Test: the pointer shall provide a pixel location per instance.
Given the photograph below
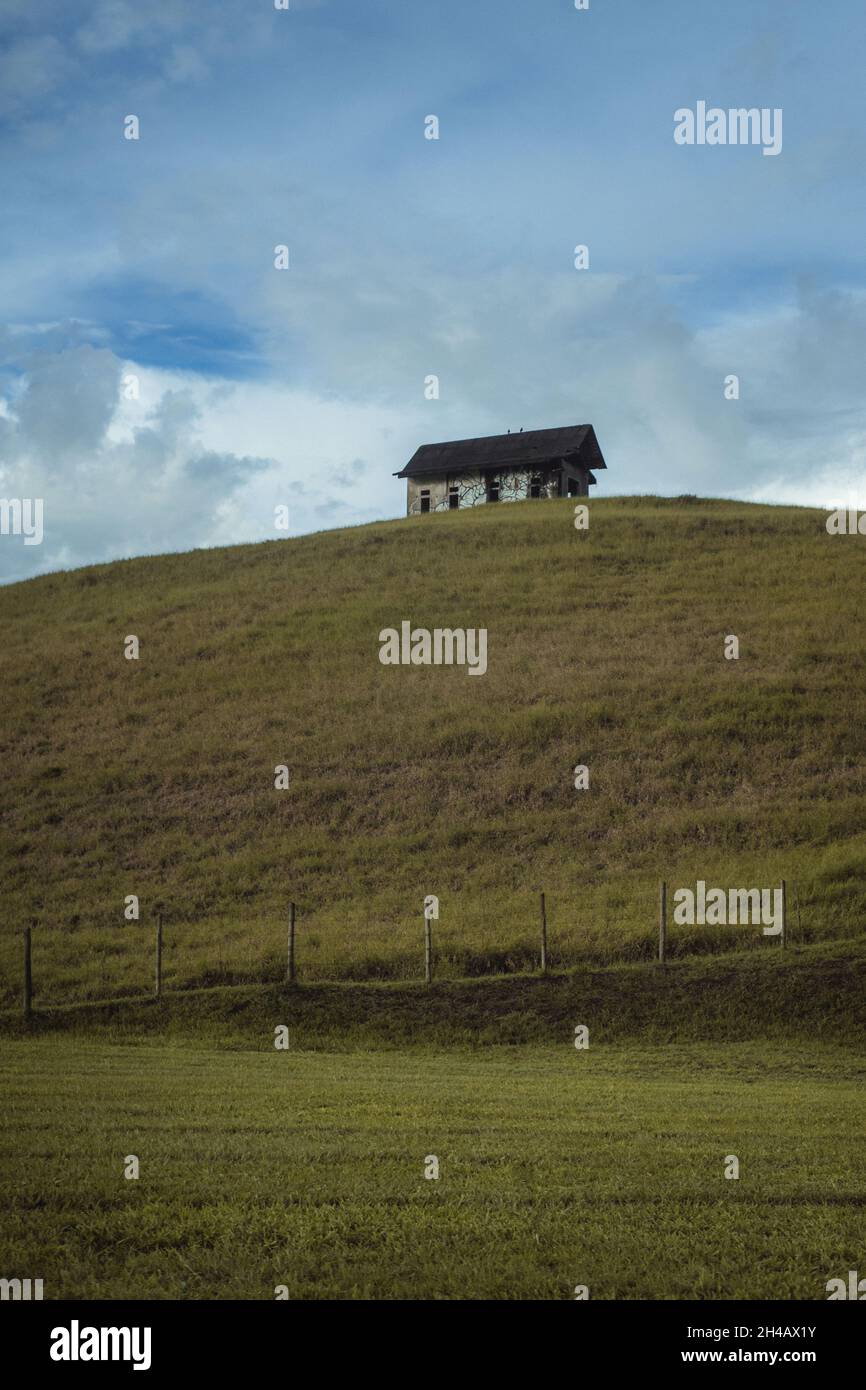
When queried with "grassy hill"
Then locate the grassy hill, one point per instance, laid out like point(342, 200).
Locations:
point(156, 777)
point(808, 992)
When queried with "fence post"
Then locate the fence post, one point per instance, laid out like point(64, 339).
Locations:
point(28, 977)
point(158, 973)
point(663, 921)
point(543, 937)
point(428, 950)
point(797, 901)
point(290, 963)
point(784, 914)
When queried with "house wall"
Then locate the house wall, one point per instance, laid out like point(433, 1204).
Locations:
point(438, 494)
point(514, 484)
point(580, 477)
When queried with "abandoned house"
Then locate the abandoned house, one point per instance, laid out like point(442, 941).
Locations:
point(502, 468)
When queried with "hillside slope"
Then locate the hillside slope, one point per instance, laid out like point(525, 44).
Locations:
point(156, 777)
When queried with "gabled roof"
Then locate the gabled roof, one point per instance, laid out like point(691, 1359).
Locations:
point(569, 444)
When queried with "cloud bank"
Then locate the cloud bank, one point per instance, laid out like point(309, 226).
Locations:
point(153, 260)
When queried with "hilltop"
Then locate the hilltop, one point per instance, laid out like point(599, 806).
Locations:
point(156, 777)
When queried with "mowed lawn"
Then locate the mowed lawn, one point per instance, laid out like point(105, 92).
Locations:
point(557, 1168)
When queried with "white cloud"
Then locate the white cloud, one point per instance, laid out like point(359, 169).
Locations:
point(192, 462)
point(201, 461)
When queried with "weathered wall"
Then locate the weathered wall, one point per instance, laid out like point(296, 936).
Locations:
point(438, 494)
point(472, 489)
point(513, 487)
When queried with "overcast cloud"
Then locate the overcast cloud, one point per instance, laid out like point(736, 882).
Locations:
point(151, 261)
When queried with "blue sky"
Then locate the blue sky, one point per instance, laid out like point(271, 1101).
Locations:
point(152, 261)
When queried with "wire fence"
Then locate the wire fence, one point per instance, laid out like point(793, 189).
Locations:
point(676, 919)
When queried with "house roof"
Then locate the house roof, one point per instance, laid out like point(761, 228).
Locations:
point(532, 448)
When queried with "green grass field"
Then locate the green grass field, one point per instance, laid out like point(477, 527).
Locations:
point(557, 1168)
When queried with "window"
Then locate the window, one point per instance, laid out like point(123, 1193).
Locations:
point(493, 489)
point(425, 499)
point(535, 486)
point(453, 497)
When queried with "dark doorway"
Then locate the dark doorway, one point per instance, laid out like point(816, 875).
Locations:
point(453, 498)
point(425, 499)
point(535, 487)
point(493, 489)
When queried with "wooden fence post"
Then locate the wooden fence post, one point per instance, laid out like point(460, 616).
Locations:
point(784, 914)
point(543, 937)
point(797, 901)
point(290, 963)
point(158, 972)
point(28, 976)
point(428, 950)
point(663, 921)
